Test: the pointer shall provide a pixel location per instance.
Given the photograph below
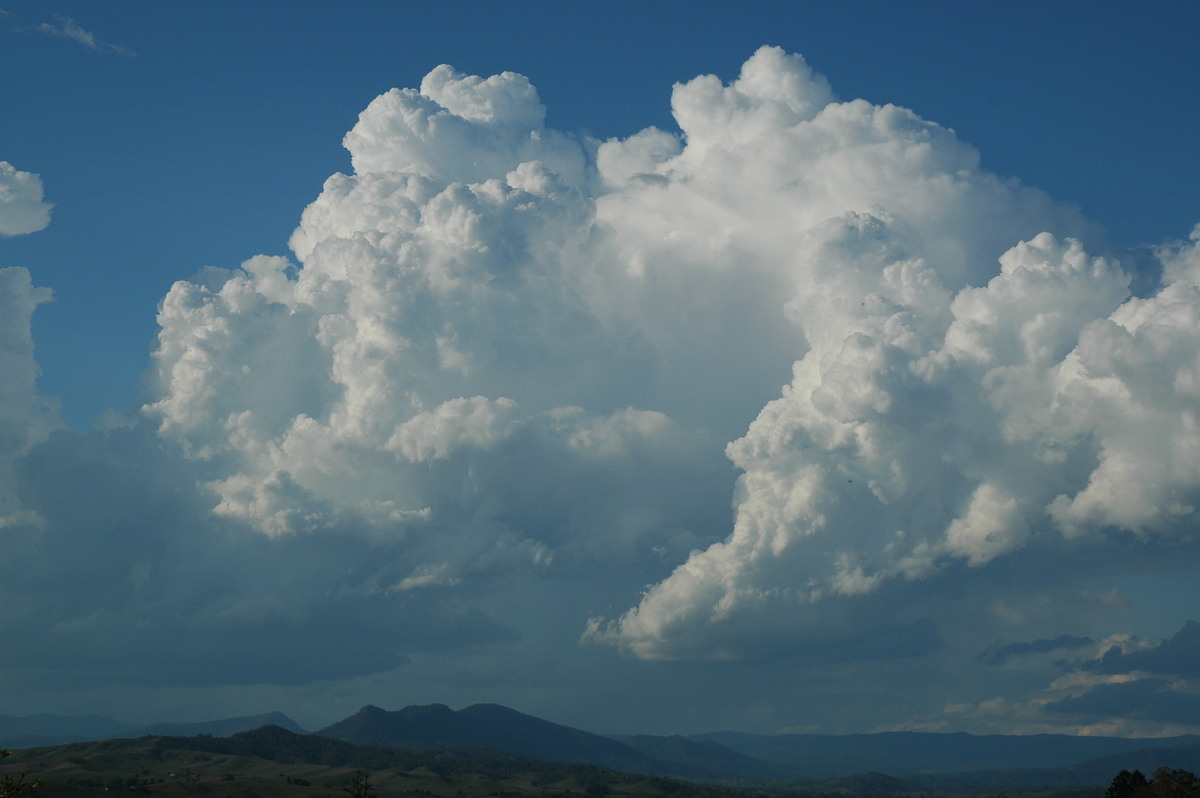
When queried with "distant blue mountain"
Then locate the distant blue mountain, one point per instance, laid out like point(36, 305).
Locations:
point(906, 753)
point(28, 731)
point(488, 726)
point(704, 758)
point(32, 731)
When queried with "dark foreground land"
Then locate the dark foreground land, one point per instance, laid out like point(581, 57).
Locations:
point(272, 762)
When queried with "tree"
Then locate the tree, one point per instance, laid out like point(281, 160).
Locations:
point(1126, 785)
point(360, 786)
point(11, 786)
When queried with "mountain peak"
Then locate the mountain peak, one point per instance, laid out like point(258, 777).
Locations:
point(490, 726)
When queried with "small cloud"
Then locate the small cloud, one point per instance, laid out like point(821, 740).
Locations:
point(425, 576)
point(66, 28)
point(23, 208)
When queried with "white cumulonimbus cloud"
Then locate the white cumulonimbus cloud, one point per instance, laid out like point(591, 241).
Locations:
point(504, 347)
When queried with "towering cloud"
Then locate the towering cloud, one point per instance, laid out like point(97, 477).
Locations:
point(487, 305)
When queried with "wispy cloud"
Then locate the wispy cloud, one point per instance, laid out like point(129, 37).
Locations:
point(66, 28)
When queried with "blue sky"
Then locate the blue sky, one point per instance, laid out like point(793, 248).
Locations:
point(202, 148)
point(614, 433)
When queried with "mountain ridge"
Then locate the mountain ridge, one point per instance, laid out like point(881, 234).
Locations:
point(487, 726)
